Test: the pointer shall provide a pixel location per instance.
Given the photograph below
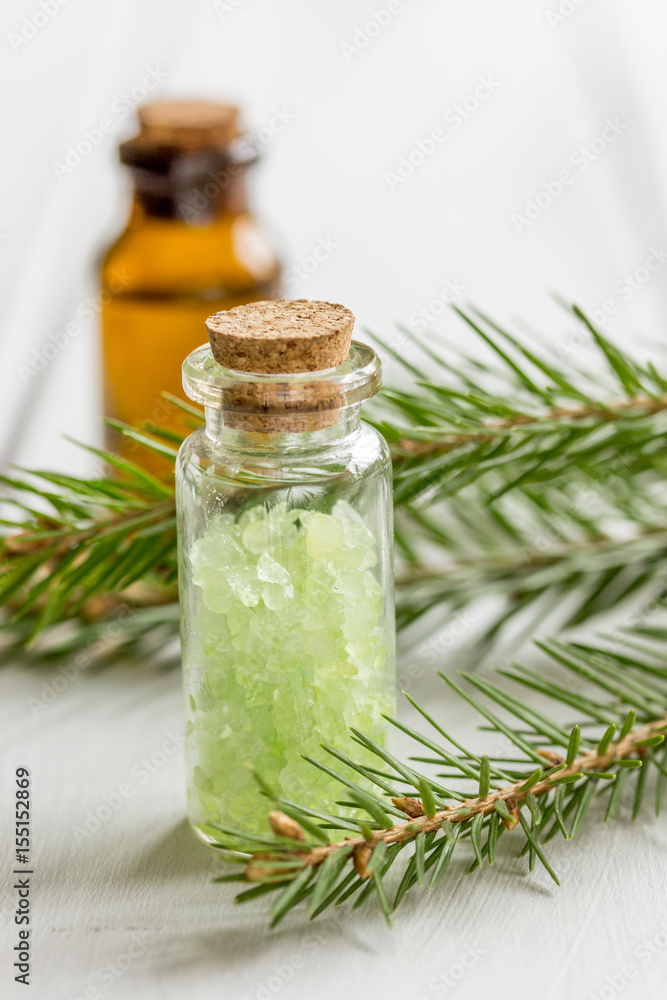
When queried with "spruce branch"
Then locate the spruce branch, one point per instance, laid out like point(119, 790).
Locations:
point(603, 571)
point(511, 478)
point(104, 543)
point(547, 788)
point(562, 416)
point(513, 796)
point(524, 477)
point(516, 420)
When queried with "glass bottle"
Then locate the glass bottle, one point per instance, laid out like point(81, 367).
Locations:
point(285, 560)
point(191, 247)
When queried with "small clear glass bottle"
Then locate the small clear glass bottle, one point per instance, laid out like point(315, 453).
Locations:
point(285, 546)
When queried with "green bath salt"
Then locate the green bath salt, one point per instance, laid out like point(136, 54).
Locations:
point(290, 641)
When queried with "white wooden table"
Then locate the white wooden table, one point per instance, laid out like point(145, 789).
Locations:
point(128, 909)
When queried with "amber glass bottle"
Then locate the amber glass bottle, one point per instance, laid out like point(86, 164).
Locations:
point(191, 248)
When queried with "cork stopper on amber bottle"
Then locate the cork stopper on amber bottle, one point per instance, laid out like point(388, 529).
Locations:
point(282, 337)
point(185, 126)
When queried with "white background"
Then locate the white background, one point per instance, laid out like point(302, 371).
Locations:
point(557, 79)
point(356, 112)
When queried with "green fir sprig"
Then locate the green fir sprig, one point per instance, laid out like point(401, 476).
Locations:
point(86, 549)
point(526, 476)
point(467, 800)
point(523, 478)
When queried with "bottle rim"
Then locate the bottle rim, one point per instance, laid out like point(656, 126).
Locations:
point(212, 385)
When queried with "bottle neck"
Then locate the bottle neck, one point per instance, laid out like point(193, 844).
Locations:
point(223, 431)
point(196, 188)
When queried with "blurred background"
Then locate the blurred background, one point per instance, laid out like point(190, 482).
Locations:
point(413, 153)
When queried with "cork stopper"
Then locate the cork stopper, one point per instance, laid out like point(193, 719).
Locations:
point(281, 337)
point(184, 126)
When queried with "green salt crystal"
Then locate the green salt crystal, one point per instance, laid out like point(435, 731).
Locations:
point(291, 647)
point(325, 533)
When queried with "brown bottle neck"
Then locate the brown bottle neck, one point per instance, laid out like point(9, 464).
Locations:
point(195, 188)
